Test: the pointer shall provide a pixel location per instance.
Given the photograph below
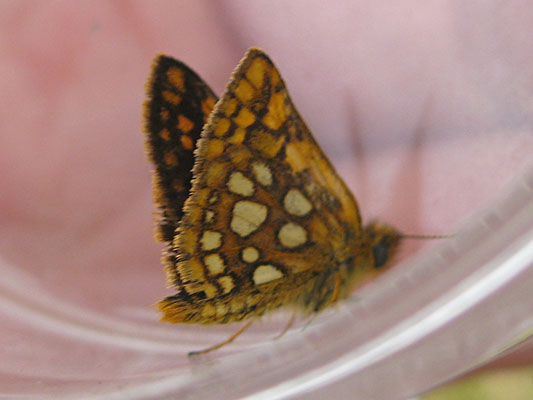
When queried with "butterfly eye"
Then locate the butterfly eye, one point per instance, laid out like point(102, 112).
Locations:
point(384, 243)
point(381, 251)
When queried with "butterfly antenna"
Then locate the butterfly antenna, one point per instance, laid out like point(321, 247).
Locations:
point(426, 236)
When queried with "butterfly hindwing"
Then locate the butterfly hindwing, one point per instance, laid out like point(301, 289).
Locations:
point(178, 107)
point(268, 219)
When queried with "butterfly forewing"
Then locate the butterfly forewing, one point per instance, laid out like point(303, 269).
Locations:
point(267, 219)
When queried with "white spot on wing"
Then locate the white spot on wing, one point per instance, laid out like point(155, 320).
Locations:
point(296, 203)
point(262, 173)
point(266, 273)
point(226, 282)
point(239, 184)
point(209, 216)
point(211, 240)
point(292, 235)
point(250, 254)
point(247, 216)
point(214, 264)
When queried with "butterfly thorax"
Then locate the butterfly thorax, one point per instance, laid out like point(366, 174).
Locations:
point(369, 254)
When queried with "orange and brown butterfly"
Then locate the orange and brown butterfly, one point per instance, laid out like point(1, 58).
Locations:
point(263, 221)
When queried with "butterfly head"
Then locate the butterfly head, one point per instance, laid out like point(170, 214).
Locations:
point(373, 255)
point(384, 241)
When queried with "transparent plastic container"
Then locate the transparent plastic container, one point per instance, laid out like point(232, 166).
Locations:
point(450, 308)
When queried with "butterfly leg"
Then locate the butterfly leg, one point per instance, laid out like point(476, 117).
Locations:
point(287, 327)
point(225, 342)
point(333, 299)
point(335, 295)
point(309, 322)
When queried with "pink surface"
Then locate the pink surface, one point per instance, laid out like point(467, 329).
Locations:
point(425, 110)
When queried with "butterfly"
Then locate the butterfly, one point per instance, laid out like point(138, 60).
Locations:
point(253, 213)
